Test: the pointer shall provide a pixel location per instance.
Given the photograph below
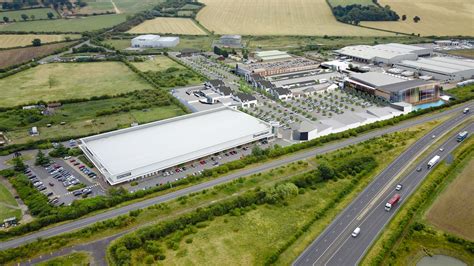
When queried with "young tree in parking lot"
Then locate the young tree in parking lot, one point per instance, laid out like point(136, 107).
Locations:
point(59, 151)
point(24, 17)
point(6, 19)
point(18, 164)
point(41, 158)
point(50, 15)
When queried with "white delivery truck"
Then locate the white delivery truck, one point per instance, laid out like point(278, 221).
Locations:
point(433, 161)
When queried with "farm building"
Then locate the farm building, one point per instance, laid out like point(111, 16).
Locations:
point(384, 53)
point(393, 88)
point(442, 68)
point(145, 150)
point(154, 41)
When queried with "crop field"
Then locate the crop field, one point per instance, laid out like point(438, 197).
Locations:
point(38, 13)
point(123, 6)
point(276, 17)
point(334, 3)
point(21, 55)
point(450, 212)
point(66, 25)
point(183, 26)
point(442, 18)
point(11, 40)
point(52, 82)
point(8, 204)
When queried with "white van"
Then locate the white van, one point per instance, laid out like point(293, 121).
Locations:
point(356, 232)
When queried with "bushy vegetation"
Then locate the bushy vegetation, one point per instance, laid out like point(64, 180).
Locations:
point(36, 201)
point(354, 14)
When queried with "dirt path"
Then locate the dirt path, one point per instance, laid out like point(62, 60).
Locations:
point(117, 11)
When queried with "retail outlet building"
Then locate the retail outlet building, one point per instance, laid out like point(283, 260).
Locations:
point(145, 150)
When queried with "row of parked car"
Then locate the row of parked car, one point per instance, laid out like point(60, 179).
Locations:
point(82, 168)
point(37, 183)
point(62, 175)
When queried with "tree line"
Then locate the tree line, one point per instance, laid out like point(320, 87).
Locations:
point(354, 14)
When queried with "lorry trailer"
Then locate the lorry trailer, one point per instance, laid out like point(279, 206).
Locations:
point(433, 161)
point(392, 201)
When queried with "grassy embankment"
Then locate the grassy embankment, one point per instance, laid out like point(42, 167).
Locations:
point(73, 259)
point(8, 205)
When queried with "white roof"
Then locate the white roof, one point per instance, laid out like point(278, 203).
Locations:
point(440, 64)
point(162, 144)
point(165, 39)
point(147, 37)
point(387, 51)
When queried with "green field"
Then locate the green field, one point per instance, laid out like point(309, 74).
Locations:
point(66, 25)
point(195, 42)
point(334, 3)
point(58, 81)
point(469, 53)
point(87, 123)
point(38, 13)
point(73, 259)
point(123, 6)
point(157, 63)
point(8, 204)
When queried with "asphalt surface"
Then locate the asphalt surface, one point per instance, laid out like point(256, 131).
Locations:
point(80, 223)
point(336, 246)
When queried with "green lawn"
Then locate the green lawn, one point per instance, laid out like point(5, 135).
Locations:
point(8, 204)
point(73, 259)
point(469, 53)
point(39, 13)
point(52, 82)
point(66, 25)
point(124, 6)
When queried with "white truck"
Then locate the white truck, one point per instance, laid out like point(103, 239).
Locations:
point(433, 161)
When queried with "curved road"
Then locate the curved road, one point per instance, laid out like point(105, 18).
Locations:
point(81, 223)
point(335, 246)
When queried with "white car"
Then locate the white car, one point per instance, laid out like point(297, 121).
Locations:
point(356, 232)
point(441, 149)
point(398, 187)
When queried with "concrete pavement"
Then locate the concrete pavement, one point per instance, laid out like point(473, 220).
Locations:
point(83, 222)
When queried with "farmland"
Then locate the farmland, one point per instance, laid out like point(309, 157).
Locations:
point(276, 17)
point(37, 13)
point(442, 18)
point(334, 3)
point(124, 6)
point(183, 26)
point(450, 211)
point(10, 40)
point(66, 81)
point(8, 205)
point(66, 25)
point(21, 55)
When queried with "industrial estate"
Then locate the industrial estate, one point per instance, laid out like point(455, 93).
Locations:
point(182, 132)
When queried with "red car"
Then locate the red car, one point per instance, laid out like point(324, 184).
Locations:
point(82, 166)
point(72, 160)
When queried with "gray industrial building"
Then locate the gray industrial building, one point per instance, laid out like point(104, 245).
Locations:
point(230, 40)
point(446, 69)
point(390, 53)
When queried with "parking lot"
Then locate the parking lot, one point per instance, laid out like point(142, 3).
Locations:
point(63, 182)
point(168, 176)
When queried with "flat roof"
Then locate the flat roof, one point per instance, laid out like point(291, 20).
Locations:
point(387, 51)
point(376, 79)
point(440, 64)
point(169, 142)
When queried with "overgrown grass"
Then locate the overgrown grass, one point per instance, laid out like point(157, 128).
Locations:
point(73, 259)
point(8, 205)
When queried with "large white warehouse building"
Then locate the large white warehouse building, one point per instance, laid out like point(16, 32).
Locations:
point(442, 68)
point(154, 41)
point(390, 53)
point(142, 151)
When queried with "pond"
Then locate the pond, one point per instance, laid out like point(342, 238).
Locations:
point(440, 260)
point(428, 105)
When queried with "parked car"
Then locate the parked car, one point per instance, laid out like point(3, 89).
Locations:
point(77, 193)
point(51, 184)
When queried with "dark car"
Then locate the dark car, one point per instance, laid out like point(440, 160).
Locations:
point(77, 193)
point(418, 169)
